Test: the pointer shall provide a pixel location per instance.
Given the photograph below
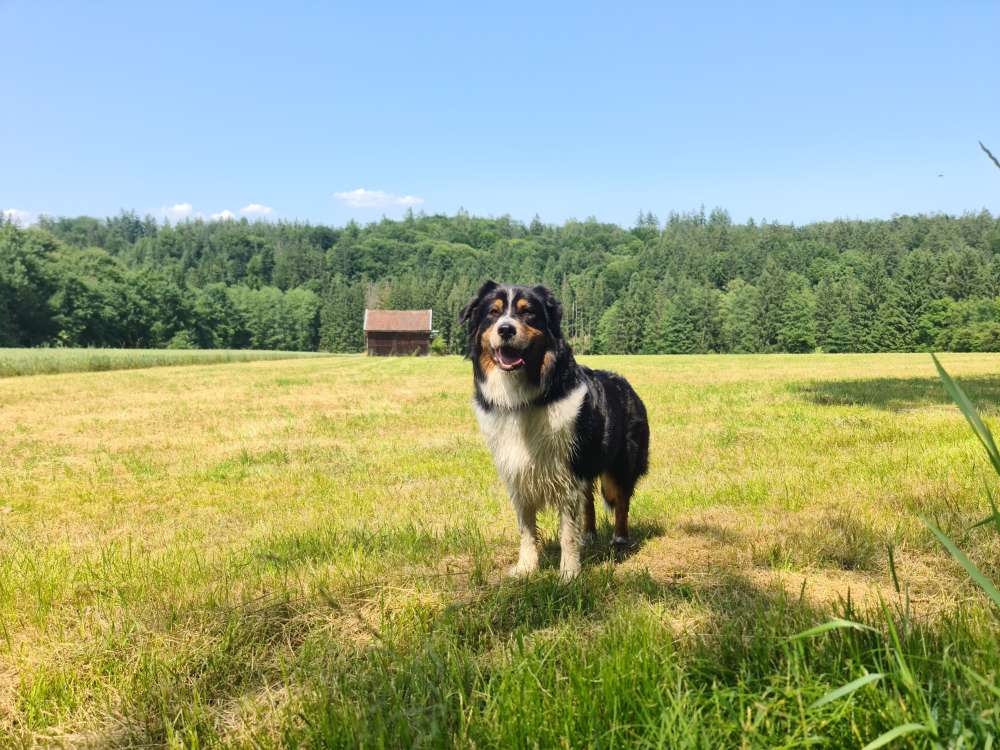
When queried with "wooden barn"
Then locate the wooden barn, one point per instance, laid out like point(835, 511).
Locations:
point(397, 332)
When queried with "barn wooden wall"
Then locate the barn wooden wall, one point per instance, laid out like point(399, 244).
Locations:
point(397, 343)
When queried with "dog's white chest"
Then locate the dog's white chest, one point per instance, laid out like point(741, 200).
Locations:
point(532, 448)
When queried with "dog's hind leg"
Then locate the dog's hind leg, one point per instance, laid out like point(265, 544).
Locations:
point(618, 496)
point(589, 517)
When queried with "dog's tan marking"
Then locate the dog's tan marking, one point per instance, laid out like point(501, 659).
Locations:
point(610, 489)
point(497, 305)
point(532, 333)
point(486, 354)
point(548, 362)
point(522, 305)
point(615, 496)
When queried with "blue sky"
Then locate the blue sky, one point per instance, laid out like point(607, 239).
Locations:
point(780, 111)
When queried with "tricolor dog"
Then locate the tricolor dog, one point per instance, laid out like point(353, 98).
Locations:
point(554, 427)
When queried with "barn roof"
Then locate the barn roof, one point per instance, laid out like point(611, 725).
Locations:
point(398, 320)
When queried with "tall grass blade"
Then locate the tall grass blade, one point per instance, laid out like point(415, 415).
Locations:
point(884, 739)
point(984, 583)
point(903, 667)
point(847, 689)
point(981, 430)
point(836, 623)
point(892, 567)
point(994, 516)
point(982, 680)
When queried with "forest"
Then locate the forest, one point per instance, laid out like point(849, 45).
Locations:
point(693, 283)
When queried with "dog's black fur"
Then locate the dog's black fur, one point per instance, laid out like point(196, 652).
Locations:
point(612, 431)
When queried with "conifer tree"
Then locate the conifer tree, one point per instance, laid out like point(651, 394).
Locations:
point(798, 322)
point(341, 318)
point(739, 307)
point(678, 330)
point(892, 329)
point(773, 287)
point(610, 338)
point(633, 316)
point(840, 337)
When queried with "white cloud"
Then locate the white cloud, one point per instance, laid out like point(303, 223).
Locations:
point(223, 215)
point(256, 209)
point(361, 198)
point(18, 216)
point(177, 211)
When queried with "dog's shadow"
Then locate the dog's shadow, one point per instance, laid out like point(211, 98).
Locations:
point(601, 549)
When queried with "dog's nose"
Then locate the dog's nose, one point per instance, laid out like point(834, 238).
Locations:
point(506, 330)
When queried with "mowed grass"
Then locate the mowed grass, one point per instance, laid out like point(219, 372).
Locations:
point(307, 553)
point(14, 362)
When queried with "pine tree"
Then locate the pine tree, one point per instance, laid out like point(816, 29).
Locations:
point(827, 305)
point(892, 328)
point(652, 342)
point(840, 337)
point(739, 307)
point(703, 309)
point(798, 322)
point(843, 321)
point(609, 338)
point(342, 318)
point(773, 287)
point(633, 317)
point(678, 334)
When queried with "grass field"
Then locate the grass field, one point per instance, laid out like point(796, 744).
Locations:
point(307, 553)
point(14, 362)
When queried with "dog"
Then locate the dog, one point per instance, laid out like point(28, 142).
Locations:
point(554, 426)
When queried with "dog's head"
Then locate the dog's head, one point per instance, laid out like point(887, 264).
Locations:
point(513, 329)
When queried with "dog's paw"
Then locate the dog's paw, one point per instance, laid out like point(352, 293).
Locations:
point(569, 572)
point(520, 570)
point(620, 547)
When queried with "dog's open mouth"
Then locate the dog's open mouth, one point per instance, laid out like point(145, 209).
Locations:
point(508, 358)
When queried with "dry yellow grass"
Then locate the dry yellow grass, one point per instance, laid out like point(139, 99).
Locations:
point(154, 518)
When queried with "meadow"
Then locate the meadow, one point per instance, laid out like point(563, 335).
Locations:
point(308, 553)
point(22, 361)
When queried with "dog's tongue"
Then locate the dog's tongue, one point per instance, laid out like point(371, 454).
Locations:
point(509, 358)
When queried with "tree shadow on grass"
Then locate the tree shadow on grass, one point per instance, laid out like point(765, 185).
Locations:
point(900, 394)
point(404, 679)
point(713, 531)
point(730, 601)
point(407, 676)
point(477, 648)
point(540, 636)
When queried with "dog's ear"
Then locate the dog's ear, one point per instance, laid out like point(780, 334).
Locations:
point(466, 314)
point(553, 310)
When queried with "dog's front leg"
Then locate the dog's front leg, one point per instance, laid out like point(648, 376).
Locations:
point(527, 558)
point(570, 533)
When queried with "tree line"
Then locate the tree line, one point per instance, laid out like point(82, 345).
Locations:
point(695, 282)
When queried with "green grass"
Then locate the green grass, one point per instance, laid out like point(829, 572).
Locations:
point(14, 362)
point(307, 553)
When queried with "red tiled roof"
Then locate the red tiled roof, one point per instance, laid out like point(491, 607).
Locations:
point(398, 320)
